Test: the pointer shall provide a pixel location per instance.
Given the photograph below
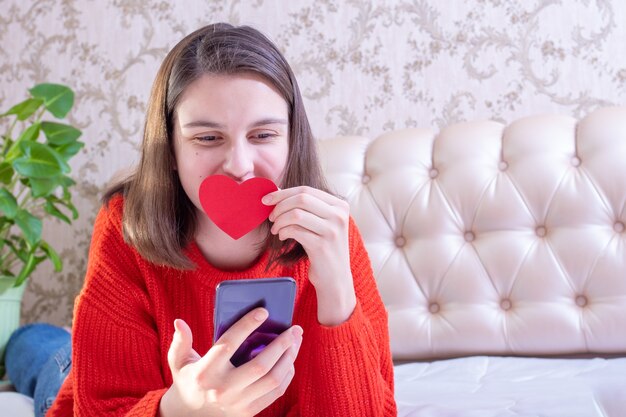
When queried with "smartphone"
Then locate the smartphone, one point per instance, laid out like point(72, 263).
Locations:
point(235, 298)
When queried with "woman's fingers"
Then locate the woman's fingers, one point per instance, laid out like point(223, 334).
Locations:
point(276, 197)
point(309, 199)
point(181, 352)
point(265, 362)
point(280, 371)
point(264, 401)
point(311, 214)
point(229, 342)
point(299, 217)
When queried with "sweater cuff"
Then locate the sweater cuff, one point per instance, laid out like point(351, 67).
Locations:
point(148, 405)
point(344, 332)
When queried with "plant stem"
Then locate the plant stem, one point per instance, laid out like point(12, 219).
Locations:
point(4, 233)
point(5, 261)
point(8, 137)
point(9, 263)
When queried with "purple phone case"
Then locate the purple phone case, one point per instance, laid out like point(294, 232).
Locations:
point(234, 299)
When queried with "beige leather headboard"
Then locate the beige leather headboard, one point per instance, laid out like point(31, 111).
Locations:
point(493, 239)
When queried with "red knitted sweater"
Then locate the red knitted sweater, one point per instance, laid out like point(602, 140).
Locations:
point(123, 327)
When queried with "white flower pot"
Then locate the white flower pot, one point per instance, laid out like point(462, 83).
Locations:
point(10, 305)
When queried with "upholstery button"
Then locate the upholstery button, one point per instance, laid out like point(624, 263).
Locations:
point(618, 227)
point(400, 241)
point(581, 301)
point(433, 308)
point(576, 161)
point(469, 236)
point(433, 173)
point(505, 304)
point(540, 231)
point(366, 178)
point(503, 165)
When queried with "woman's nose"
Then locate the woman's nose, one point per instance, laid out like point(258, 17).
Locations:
point(238, 162)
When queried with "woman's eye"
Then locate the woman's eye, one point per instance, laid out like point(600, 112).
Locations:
point(206, 138)
point(264, 135)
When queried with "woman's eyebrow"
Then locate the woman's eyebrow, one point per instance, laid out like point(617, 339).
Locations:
point(215, 125)
point(204, 123)
point(269, 121)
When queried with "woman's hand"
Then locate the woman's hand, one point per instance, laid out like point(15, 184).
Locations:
point(210, 385)
point(319, 222)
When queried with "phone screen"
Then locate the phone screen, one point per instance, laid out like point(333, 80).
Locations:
point(234, 299)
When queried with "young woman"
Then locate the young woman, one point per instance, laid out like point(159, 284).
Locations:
point(225, 102)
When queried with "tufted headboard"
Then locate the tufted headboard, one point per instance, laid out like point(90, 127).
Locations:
point(493, 239)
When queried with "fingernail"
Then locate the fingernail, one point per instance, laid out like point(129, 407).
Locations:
point(267, 200)
point(297, 331)
point(176, 332)
point(260, 315)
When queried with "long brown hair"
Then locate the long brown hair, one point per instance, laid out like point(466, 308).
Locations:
point(159, 219)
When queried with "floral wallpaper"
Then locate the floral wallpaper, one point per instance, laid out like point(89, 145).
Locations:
point(364, 66)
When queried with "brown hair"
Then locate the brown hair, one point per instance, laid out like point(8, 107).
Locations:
point(159, 219)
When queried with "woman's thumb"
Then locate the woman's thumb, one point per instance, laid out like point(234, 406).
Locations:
point(181, 352)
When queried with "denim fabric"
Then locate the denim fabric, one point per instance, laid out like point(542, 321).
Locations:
point(38, 358)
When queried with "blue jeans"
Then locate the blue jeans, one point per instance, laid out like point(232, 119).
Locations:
point(38, 358)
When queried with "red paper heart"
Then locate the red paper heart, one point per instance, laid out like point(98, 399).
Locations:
point(235, 208)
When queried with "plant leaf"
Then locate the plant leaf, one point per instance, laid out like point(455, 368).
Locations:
point(39, 161)
point(54, 211)
point(69, 150)
point(25, 109)
point(57, 98)
point(31, 226)
point(67, 182)
point(43, 187)
point(52, 255)
point(29, 135)
point(65, 202)
point(21, 254)
point(6, 282)
point(72, 208)
point(60, 134)
point(8, 203)
point(28, 267)
point(6, 172)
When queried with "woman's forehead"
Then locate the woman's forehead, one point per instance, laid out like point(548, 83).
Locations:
point(231, 97)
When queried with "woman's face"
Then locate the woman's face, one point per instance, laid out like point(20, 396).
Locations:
point(233, 125)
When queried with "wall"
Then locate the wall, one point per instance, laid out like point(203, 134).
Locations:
point(365, 67)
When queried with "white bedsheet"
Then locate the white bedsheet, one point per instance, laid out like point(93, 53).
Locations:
point(487, 387)
point(505, 386)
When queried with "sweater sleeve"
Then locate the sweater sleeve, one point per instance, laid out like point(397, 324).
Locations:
point(347, 370)
point(116, 359)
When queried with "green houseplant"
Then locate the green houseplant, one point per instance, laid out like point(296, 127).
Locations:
point(34, 183)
